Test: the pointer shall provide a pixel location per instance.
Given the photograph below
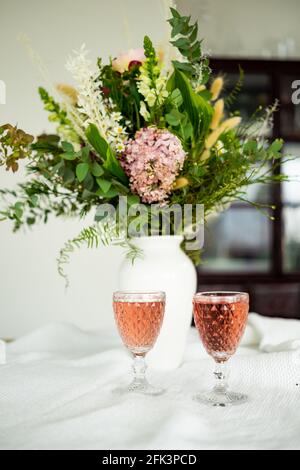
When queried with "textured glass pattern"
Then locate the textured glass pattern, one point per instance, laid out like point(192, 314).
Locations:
point(221, 326)
point(139, 323)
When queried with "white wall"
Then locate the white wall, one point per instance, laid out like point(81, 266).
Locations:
point(252, 28)
point(31, 292)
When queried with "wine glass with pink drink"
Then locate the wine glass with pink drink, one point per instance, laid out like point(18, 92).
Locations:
point(139, 316)
point(220, 318)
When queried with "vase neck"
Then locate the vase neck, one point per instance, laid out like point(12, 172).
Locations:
point(157, 243)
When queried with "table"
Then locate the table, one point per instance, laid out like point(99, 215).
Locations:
point(56, 393)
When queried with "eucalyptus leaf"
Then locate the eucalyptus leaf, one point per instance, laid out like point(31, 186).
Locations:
point(96, 169)
point(133, 199)
point(104, 184)
point(88, 182)
point(68, 156)
point(112, 192)
point(85, 152)
point(18, 207)
point(68, 175)
point(81, 171)
point(67, 147)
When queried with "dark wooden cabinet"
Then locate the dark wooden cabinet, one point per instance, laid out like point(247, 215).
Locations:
point(262, 257)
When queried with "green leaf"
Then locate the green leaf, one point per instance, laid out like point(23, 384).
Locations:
point(250, 146)
point(198, 109)
point(194, 33)
point(185, 66)
point(81, 171)
point(67, 147)
point(206, 94)
point(113, 166)
point(96, 169)
point(104, 184)
point(112, 192)
point(86, 194)
point(85, 153)
point(174, 117)
point(96, 140)
point(34, 200)
point(276, 146)
point(88, 182)
point(181, 43)
point(187, 130)
point(176, 98)
point(105, 152)
point(133, 199)
point(175, 13)
point(46, 147)
point(68, 175)
point(68, 156)
point(58, 166)
point(18, 208)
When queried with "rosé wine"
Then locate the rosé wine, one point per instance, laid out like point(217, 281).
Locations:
point(139, 323)
point(221, 324)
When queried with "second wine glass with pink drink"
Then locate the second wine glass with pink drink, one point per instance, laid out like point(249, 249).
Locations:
point(139, 316)
point(220, 318)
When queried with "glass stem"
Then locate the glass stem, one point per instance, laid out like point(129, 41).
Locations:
point(139, 369)
point(220, 374)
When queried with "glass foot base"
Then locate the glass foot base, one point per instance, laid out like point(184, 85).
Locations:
point(214, 398)
point(143, 388)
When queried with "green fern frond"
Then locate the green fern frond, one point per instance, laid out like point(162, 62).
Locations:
point(232, 97)
point(91, 237)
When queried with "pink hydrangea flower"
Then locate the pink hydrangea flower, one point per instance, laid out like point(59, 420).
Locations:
point(152, 161)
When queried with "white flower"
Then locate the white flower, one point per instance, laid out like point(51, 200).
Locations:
point(220, 147)
point(144, 112)
point(120, 147)
point(151, 98)
point(153, 90)
point(93, 107)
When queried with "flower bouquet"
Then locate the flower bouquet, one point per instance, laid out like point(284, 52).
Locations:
point(148, 131)
point(151, 126)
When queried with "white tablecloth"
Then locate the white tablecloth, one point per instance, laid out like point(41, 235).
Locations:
point(56, 393)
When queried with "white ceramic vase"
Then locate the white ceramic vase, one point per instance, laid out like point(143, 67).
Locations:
point(164, 267)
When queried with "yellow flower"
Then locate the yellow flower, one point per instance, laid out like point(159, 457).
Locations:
point(68, 91)
point(216, 88)
point(218, 113)
point(205, 155)
point(227, 125)
point(181, 183)
point(231, 123)
point(213, 137)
